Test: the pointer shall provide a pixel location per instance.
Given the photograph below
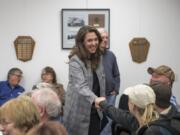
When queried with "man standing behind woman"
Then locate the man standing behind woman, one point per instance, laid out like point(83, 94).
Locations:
point(112, 75)
point(86, 83)
point(110, 67)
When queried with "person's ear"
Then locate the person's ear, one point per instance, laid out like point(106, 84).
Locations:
point(135, 107)
point(169, 83)
point(131, 106)
point(41, 111)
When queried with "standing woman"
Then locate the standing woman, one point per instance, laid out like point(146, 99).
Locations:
point(86, 83)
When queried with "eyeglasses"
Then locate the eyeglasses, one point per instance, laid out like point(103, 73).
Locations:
point(46, 74)
point(4, 122)
point(18, 75)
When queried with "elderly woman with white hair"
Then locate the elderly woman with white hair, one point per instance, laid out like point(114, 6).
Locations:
point(141, 101)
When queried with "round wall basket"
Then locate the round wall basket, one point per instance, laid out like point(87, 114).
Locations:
point(24, 46)
point(139, 48)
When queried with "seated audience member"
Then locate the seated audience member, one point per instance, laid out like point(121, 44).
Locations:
point(163, 106)
point(163, 95)
point(48, 128)
point(141, 100)
point(163, 74)
point(48, 104)
point(18, 116)
point(126, 123)
point(11, 89)
point(27, 93)
point(48, 77)
point(118, 128)
point(169, 116)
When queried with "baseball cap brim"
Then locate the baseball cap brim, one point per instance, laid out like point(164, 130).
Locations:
point(152, 70)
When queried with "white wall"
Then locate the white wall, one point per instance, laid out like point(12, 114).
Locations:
point(157, 20)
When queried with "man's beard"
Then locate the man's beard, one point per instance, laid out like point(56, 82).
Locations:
point(152, 82)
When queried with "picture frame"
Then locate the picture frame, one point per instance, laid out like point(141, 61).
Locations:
point(73, 19)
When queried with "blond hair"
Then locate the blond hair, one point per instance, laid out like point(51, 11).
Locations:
point(143, 98)
point(147, 114)
point(21, 111)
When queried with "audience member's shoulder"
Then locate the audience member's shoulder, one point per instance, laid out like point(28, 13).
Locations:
point(52, 128)
point(21, 87)
point(59, 85)
point(3, 82)
point(154, 130)
point(110, 52)
point(178, 107)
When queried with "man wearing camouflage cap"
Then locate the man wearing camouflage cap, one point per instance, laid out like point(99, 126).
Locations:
point(163, 74)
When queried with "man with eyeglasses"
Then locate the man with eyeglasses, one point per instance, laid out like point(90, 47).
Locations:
point(11, 89)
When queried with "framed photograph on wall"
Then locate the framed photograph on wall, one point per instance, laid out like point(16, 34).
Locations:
point(73, 19)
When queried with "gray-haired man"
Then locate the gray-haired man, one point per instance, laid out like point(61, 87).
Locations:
point(11, 89)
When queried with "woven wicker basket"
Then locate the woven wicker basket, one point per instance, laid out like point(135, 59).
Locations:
point(139, 48)
point(24, 46)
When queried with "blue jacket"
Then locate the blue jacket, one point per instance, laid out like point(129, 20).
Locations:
point(7, 93)
point(111, 72)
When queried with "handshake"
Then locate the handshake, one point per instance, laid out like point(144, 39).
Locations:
point(98, 100)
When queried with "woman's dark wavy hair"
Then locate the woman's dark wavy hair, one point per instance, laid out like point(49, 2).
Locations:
point(51, 71)
point(81, 52)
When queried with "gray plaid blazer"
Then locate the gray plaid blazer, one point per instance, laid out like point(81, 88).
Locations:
point(79, 96)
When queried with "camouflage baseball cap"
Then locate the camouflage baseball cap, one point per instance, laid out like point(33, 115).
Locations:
point(163, 70)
